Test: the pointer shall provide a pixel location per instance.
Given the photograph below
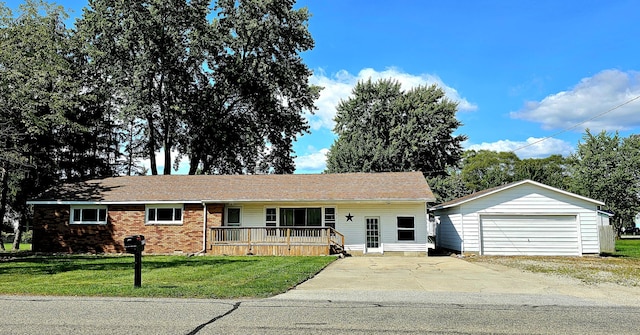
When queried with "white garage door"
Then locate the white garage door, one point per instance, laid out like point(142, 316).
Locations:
point(530, 235)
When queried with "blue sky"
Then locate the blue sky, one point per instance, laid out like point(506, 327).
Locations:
point(520, 70)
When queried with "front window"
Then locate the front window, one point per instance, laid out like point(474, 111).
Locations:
point(330, 217)
point(164, 214)
point(301, 217)
point(233, 216)
point(406, 228)
point(89, 215)
point(270, 217)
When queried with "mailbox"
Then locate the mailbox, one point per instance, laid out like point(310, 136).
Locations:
point(134, 244)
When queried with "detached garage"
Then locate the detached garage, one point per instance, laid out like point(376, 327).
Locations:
point(522, 218)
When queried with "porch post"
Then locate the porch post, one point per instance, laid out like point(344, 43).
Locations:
point(329, 237)
point(289, 238)
point(249, 238)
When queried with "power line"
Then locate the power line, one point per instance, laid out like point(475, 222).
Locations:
point(576, 125)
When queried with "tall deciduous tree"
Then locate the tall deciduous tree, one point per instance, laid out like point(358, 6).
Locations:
point(552, 171)
point(148, 52)
point(448, 187)
point(383, 128)
point(229, 94)
point(485, 169)
point(41, 105)
point(259, 89)
point(605, 167)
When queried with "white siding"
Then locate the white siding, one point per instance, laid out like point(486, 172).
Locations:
point(354, 231)
point(449, 233)
point(253, 215)
point(524, 199)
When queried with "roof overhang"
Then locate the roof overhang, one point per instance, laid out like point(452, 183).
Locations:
point(64, 202)
point(606, 213)
point(409, 200)
point(225, 201)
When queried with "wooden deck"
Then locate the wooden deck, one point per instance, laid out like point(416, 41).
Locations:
point(276, 241)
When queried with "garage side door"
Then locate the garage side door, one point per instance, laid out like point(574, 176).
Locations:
point(529, 235)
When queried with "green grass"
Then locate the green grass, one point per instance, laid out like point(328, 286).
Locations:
point(628, 248)
point(162, 276)
point(23, 247)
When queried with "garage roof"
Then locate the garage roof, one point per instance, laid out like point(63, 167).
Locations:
point(494, 190)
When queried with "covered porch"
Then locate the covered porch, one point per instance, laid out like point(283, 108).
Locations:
point(274, 241)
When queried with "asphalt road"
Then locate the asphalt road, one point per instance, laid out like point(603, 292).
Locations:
point(357, 295)
point(47, 315)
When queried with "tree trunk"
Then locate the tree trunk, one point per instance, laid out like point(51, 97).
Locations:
point(167, 158)
point(193, 166)
point(18, 236)
point(152, 145)
point(4, 176)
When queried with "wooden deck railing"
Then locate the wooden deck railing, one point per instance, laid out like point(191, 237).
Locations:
point(275, 240)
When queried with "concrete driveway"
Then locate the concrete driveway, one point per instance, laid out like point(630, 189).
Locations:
point(445, 278)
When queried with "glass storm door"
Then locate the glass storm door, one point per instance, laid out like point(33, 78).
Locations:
point(373, 235)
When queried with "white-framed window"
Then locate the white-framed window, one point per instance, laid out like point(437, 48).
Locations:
point(234, 216)
point(330, 217)
point(270, 217)
point(406, 228)
point(88, 215)
point(164, 214)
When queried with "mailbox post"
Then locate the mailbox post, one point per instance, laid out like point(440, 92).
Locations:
point(135, 245)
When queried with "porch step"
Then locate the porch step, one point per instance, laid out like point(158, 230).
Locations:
point(337, 250)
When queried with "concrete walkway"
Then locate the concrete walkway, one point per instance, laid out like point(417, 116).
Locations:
point(416, 278)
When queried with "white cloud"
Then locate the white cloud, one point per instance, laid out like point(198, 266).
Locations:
point(339, 86)
point(531, 148)
point(589, 98)
point(314, 162)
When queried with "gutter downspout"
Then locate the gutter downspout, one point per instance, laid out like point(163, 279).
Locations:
point(204, 230)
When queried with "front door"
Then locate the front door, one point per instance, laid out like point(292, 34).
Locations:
point(373, 235)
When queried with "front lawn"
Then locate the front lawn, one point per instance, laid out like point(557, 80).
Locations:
point(162, 276)
point(628, 248)
point(23, 247)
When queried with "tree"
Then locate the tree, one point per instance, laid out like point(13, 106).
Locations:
point(39, 98)
point(485, 169)
point(147, 52)
point(259, 90)
point(449, 187)
point(605, 168)
point(382, 128)
point(552, 171)
point(229, 94)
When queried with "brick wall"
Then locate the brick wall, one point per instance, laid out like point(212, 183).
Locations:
point(53, 233)
point(214, 215)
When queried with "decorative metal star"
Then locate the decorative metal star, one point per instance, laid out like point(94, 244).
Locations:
point(349, 217)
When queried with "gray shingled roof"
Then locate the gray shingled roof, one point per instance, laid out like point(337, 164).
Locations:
point(398, 186)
